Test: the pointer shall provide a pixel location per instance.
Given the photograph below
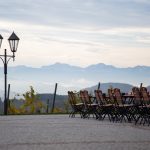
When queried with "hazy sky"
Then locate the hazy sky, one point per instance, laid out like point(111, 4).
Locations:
point(78, 32)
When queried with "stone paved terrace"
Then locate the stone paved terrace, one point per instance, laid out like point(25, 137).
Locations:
point(59, 132)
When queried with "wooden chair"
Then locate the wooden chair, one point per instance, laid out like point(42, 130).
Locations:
point(89, 106)
point(145, 95)
point(146, 104)
point(104, 108)
point(76, 106)
point(123, 110)
point(140, 112)
point(112, 100)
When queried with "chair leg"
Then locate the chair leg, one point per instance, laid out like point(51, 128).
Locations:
point(137, 119)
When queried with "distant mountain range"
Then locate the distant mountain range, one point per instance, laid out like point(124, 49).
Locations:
point(70, 77)
point(105, 86)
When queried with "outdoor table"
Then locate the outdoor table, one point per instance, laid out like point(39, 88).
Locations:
point(93, 98)
point(128, 98)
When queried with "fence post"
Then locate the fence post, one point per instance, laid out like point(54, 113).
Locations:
point(53, 105)
point(8, 101)
point(99, 85)
point(47, 106)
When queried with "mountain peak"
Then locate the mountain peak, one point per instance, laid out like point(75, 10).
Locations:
point(100, 65)
point(61, 66)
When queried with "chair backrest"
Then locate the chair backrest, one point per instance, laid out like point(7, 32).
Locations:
point(81, 95)
point(111, 96)
point(99, 97)
point(72, 98)
point(85, 98)
point(137, 95)
point(145, 95)
point(118, 96)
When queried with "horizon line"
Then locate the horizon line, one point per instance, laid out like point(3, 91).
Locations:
point(74, 65)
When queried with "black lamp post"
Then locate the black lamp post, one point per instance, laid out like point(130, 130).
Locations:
point(13, 42)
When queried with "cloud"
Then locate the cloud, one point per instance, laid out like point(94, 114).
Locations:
point(79, 12)
point(78, 32)
point(143, 39)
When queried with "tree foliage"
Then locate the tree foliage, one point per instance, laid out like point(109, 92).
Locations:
point(32, 103)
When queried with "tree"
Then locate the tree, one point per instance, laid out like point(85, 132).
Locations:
point(57, 110)
point(12, 108)
point(32, 103)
